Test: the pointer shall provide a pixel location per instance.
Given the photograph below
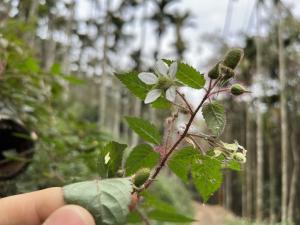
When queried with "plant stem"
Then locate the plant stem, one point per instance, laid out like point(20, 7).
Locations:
point(218, 91)
point(174, 116)
point(182, 136)
point(185, 101)
point(179, 106)
point(142, 216)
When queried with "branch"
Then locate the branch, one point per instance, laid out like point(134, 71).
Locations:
point(170, 127)
point(201, 135)
point(210, 139)
point(179, 106)
point(143, 217)
point(182, 136)
point(185, 101)
point(210, 82)
point(218, 91)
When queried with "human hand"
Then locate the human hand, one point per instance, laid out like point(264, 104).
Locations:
point(45, 207)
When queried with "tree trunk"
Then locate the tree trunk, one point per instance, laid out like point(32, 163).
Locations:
point(104, 76)
point(228, 174)
point(283, 122)
point(249, 168)
point(243, 175)
point(260, 162)
point(228, 189)
point(67, 47)
point(117, 112)
point(48, 53)
point(137, 113)
point(126, 112)
point(31, 19)
point(259, 122)
point(32, 10)
point(272, 174)
point(296, 169)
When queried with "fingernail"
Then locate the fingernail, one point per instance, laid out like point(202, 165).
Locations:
point(70, 215)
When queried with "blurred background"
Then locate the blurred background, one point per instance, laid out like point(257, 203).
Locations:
point(58, 93)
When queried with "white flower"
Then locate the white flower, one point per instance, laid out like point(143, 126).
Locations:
point(163, 80)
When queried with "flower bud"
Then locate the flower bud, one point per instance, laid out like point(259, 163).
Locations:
point(240, 157)
point(120, 173)
point(214, 73)
point(237, 89)
point(140, 177)
point(226, 71)
point(233, 57)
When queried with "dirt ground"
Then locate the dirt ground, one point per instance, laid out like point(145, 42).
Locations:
point(211, 215)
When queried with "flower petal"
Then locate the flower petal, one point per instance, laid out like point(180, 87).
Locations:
point(148, 78)
point(152, 96)
point(171, 94)
point(161, 68)
point(173, 70)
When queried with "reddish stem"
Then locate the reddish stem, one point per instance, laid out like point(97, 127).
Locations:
point(210, 82)
point(182, 136)
point(185, 101)
point(218, 91)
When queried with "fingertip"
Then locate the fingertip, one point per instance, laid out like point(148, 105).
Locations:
point(71, 215)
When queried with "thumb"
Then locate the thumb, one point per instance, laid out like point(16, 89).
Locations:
point(70, 215)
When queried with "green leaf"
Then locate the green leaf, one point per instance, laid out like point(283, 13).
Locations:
point(140, 89)
point(162, 211)
point(134, 84)
point(110, 159)
point(188, 75)
point(107, 200)
point(142, 156)
point(206, 175)
point(169, 217)
point(180, 162)
point(32, 65)
point(157, 203)
point(233, 165)
point(161, 103)
point(214, 115)
point(144, 129)
point(134, 217)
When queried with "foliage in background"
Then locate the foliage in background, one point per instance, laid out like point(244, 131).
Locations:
point(40, 100)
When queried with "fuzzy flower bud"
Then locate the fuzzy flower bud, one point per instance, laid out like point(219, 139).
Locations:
point(120, 173)
point(240, 157)
point(214, 73)
point(227, 71)
point(233, 57)
point(140, 177)
point(237, 89)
